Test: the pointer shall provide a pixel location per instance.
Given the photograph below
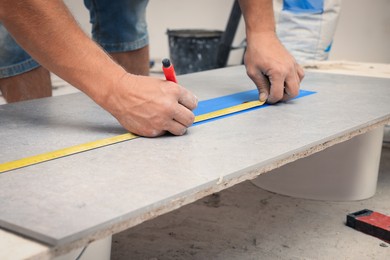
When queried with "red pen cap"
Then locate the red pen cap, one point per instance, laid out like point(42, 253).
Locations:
point(168, 70)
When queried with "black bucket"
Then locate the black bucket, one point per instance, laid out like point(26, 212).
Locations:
point(193, 50)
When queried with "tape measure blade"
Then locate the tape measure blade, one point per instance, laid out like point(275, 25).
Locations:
point(24, 162)
point(44, 157)
point(228, 111)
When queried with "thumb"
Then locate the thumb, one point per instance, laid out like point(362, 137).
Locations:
point(263, 85)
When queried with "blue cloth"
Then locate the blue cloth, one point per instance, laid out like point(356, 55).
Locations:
point(118, 26)
point(304, 6)
point(307, 27)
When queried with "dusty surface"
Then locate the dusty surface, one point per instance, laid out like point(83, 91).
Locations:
point(350, 68)
point(245, 222)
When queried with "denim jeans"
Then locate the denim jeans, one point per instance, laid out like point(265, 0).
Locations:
point(118, 26)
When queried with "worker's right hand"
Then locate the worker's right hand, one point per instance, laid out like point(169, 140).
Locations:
point(150, 106)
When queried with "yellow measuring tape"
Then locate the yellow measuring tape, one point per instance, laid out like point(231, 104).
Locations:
point(44, 157)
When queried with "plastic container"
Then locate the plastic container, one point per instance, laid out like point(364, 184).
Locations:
point(344, 172)
point(97, 250)
point(193, 50)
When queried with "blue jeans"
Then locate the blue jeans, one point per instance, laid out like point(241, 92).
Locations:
point(118, 26)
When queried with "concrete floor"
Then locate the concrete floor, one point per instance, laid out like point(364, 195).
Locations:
point(246, 222)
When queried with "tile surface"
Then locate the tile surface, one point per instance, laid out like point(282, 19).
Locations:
point(107, 190)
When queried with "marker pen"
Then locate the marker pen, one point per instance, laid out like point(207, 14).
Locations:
point(168, 70)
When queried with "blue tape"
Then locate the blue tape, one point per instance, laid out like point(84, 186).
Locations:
point(214, 104)
point(304, 6)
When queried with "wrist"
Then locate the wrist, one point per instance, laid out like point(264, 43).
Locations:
point(104, 89)
point(262, 38)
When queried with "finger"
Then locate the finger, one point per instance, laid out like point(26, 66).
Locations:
point(299, 75)
point(153, 133)
point(187, 99)
point(176, 128)
point(277, 89)
point(184, 116)
point(301, 72)
point(146, 130)
point(291, 86)
point(262, 83)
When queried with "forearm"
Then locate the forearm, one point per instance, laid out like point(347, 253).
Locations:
point(270, 66)
point(258, 16)
point(49, 33)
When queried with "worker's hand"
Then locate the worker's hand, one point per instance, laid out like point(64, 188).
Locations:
point(149, 106)
point(271, 67)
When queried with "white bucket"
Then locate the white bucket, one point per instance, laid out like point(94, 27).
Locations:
point(97, 250)
point(344, 172)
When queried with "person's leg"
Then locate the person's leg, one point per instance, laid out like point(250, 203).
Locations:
point(120, 28)
point(21, 78)
point(135, 62)
point(28, 85)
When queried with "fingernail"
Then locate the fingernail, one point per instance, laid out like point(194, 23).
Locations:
point(270, 100)
point(263, 97)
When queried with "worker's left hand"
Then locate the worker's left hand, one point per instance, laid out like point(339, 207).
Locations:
point(272, 68)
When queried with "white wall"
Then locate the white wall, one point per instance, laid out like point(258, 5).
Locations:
point(363, 32)
point(81, 13)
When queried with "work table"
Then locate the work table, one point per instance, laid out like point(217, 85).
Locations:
point(68, 202)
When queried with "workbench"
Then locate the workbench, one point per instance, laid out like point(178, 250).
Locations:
point(54, 207)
